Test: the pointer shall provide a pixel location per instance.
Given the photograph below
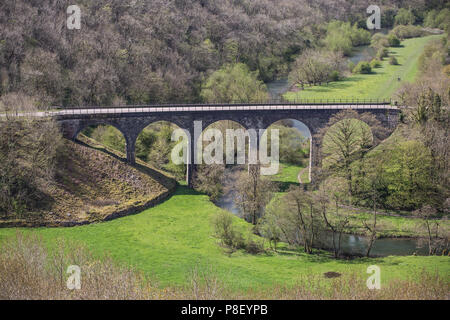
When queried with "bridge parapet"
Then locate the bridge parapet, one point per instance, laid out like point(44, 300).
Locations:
point(131, 120)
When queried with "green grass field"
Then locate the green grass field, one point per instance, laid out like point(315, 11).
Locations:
point(288, 173)
point(381, 84)
point(168, 241)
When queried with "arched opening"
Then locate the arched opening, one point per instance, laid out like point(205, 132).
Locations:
point(154, 146)
point(105, 135)
point(294, 153)
point(223, 149)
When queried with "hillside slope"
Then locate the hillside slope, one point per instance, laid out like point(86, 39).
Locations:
point(93, 184)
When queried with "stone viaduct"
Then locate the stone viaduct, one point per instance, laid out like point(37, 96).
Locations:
point(130, 121)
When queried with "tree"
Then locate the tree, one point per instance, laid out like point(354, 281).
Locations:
point(379, 41)
point(435, 239)
point(408, 168)
point(342, 37)
point(226, 230)
point(253, 194)
point(293, 145)
point(303, 215)
point(375, 189)
point(269, 225)
point(333, 192)
point(208, 179)
point(28, 156)
point(316, 67)
point(234, 83)
point(293, 218)
point(405, 16)
point(347, 137)
point(341, 144)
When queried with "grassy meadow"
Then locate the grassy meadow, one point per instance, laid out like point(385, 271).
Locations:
point(382, 83)
point(168, 241)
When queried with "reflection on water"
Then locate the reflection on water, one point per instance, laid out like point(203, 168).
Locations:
point(227, 200)
point(357, 245)
point(363, 53)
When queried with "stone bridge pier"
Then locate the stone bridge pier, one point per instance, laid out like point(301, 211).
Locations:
point(131, 124)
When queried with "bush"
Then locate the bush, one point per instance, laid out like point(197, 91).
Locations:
point(393, 61)
point(335, 76)
point(393, 40)
point(446, 70)
point(351, 65)
point(382, 53)
point(406, 32)
point(375, 64)
point(226, 231)
point(363, 67)
point(343, 36)
point(379, 41)
point(254, 247)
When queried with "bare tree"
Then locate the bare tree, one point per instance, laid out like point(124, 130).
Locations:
point(333, 192)
point(253, 194)
point(436, 237)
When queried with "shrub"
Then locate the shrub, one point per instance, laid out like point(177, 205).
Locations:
point(379, 41)
point(29, 270)
point(446, 70)
point(393, 61)
point(382, 53)
point(227, 232)
point(253, 246)
point(406, 32)
point(343, 36)
point(393, 40)
point(363, 67)
point(375, 64)
point(351, 65)
point(335, 76)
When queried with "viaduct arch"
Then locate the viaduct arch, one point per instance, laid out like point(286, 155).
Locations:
point(132, 120)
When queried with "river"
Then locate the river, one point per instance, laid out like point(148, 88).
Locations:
point(351, 244)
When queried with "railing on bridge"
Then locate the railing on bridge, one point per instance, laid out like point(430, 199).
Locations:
point(319, 102)
point(279, 104)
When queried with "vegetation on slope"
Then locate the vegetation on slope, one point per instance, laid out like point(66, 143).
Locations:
point(90, 186)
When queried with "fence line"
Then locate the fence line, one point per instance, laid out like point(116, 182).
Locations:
point(337, 104)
